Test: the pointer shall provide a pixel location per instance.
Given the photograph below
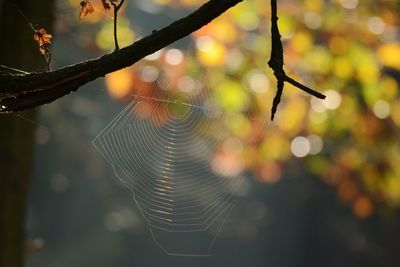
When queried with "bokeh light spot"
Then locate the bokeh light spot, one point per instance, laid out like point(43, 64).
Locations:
point(349, 4)
point(363, 207)
point(149, 73)
point(376, 25)
point(174, 57)
point(300, 147)
point(316, 144)
point(333, 99)
point(312, 20)
point(381, 109)
point(210, 52)
point(119, 83)
point(270, 172)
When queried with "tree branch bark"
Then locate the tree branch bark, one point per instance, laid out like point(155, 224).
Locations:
point(19, 90)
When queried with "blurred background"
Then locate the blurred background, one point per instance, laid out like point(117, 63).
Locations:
point(321, 184)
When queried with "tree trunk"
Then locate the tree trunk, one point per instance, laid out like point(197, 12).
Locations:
point(19, 50)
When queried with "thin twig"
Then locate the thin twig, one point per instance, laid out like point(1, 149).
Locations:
point(44, 46)
point(116, 9)
point(276, 63)
point(25, 17)
point(304, 88)
point(47, 53)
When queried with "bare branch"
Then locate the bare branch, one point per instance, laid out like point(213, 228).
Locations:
point(304, 88)
point(23, 91)
point(276, 63)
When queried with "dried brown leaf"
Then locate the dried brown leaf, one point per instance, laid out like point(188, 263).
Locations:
point(86, 8)
point(42, 37)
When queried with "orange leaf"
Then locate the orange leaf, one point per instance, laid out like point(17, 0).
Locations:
point(42, 37)
point(86, 8)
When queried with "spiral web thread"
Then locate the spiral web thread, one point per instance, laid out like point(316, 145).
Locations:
point(163, 158)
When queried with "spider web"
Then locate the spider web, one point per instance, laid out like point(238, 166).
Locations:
point(159, 148)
